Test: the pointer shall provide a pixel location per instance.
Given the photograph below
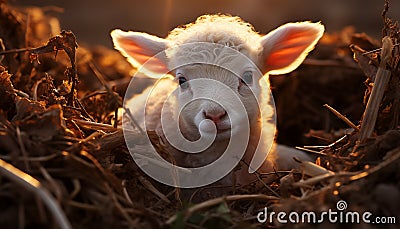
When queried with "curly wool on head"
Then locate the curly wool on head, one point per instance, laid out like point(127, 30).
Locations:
point(223, 30)
point(227, 30)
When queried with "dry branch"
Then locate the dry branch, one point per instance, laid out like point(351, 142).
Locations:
point(342, 117)
point(380, 84)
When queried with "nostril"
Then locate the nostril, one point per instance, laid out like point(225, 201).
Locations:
point(215, 116)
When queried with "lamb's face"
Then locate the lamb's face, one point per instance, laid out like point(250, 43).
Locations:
point(211, 92)
point(213, 86)
point(209, 97)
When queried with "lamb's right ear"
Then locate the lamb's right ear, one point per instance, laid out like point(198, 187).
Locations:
point(285, 48)
point(141, 48)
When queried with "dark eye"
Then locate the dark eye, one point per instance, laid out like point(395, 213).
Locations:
point(247, 77)
point(182, 82)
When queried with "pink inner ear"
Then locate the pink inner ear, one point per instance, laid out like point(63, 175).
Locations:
point(284, 57)
point(289, 45)
point(156, 66)
point(288, 50)
point(140, 56)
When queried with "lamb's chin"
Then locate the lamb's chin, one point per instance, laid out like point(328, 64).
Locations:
point(219, 136)
point(225, 134)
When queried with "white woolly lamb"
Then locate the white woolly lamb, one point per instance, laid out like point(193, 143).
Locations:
point(203, 56)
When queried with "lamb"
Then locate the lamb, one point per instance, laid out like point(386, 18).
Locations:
point(215, 98)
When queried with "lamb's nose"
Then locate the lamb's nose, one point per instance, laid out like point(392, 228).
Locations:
point(215, 116)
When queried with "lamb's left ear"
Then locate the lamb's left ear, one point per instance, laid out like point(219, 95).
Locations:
point(285, 48)
point(141, 48)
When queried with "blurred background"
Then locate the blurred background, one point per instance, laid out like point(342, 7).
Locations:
point(92, 20)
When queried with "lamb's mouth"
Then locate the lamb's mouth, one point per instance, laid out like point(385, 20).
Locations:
point(220, 132)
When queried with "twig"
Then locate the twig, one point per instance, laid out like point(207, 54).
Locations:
point(381, 81)
point(125, 192)
point(118, 206)
point(377, 50)
point(93, 94)
point(314, 147)
point(83, 205)
point(310, 150)
point(312, 169)
point(384, 17)
point(78, 159)
point(323, 177)
point(342, 117)
point(82, 108)
point(77, 188)
point(258, 175)
point(116, 117)
point(80, 143)
point(160, 163)
point(30, 183)
point(95, 125)
point(16, 51)
point(326, 146)
point(337, 141)
point(265, 185)
point(31, 159)
point(2, 48)
point(52, 183)
point(22, 146)
point(35, 88)
point(147, 184)
point(99, 76)
point(213, 202)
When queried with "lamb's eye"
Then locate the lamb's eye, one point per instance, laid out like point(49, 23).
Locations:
point(182, 82)
point(247, 77)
